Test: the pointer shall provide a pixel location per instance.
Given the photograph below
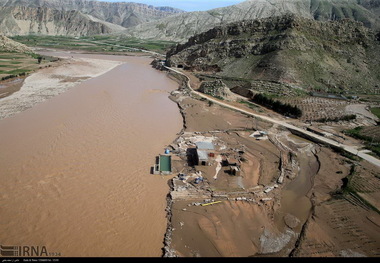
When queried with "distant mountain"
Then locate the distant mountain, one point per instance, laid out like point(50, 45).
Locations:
point(46, 21)
point(359, 10)
point(75, 17)
point(336, 56)
point(182, 26)
point(169, 9)
point(372, 5)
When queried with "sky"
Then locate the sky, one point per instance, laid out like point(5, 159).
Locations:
point(187, 5)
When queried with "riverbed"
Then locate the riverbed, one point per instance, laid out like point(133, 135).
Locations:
point(75, 169)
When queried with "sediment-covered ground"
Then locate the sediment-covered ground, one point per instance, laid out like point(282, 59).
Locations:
point(52, 81)
point(290, 199)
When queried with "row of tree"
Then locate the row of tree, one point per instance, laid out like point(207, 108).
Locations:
point(277, 106)
point(350, 117)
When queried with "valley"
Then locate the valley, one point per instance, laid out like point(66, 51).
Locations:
point(130, 130)
point(96, 44)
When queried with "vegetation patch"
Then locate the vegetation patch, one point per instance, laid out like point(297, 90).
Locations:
point(349, 188)
point(19, 64)
point(249, 104)
point(100, 44)
point(376, 111)
point(344, 153)
point(337, 119)
point(18, 72)
point(277, 106)
point(368, 134)
point(371, 138)
point(347, 182)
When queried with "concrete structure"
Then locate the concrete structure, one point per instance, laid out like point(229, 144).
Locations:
point(203, 158)
point(209, 146)
point(205, 150)
point(163, 165)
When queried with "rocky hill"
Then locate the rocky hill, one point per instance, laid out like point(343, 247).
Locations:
point(182, 26)
point(75, 17)
point(46, 21)
point(8, 45)
point(335, 56)
point(372, 5)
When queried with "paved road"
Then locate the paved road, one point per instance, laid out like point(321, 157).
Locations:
point(351, 149)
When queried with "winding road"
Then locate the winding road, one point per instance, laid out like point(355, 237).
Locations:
point(351, 149)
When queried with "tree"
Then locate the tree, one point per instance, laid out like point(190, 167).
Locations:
point(277, 106)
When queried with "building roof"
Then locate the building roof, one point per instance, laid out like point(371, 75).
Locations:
point(205, 145)
point(202, 155)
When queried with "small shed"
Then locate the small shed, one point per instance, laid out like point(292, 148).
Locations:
point(203, 157)
point(205, 150)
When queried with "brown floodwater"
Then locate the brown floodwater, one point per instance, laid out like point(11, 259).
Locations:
point(294, 196)
point(75, 170)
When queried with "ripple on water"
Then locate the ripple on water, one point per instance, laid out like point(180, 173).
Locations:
point(76, 167)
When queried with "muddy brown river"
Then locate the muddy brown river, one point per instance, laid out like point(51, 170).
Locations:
point(75, 170)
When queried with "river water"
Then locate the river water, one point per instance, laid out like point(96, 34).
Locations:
point(75, 170)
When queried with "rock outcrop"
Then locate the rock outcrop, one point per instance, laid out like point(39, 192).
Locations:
point(217, 89)
point(74, 17)
point(46, 21)
point(338, 56)
point(8, 45)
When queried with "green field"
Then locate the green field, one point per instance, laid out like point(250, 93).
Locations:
point(18, 64)
point(370, 136)
point(103, 44)
point(376, 111)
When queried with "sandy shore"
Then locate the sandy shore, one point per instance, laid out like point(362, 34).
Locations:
point(50, 82)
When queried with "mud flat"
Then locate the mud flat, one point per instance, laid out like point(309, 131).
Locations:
point(8, 87)
point(49, 82)
point(285, 201)
point(75, 169)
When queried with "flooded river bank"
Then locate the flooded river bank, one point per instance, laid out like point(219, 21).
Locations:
point(75, 169)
